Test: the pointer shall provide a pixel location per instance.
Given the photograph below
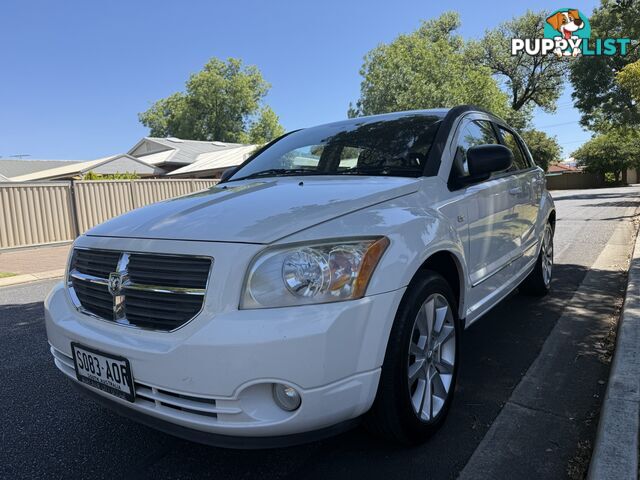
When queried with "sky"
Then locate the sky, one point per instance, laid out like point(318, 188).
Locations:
point(75, 74)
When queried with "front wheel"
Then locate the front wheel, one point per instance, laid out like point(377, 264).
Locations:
point(538, 282)
point(421, 364)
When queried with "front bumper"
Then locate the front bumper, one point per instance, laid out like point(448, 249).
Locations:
point(216, 376)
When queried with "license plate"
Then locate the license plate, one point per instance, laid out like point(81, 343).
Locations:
point(109, 373)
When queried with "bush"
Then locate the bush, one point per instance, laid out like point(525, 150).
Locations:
point(90, 175)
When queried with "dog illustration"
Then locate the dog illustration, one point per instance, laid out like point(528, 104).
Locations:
point(566, 23)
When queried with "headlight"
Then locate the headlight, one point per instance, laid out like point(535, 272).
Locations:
point(314, 273)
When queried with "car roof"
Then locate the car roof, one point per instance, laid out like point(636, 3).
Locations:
point(441, 113)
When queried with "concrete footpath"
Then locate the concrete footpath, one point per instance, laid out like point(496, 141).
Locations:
point(538, 428)
point(615, 454)
point(29, 264)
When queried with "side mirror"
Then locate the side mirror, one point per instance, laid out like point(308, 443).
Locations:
point(483, 160)
point(228, 173)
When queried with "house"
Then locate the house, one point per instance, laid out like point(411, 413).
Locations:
point(212, 164)
point(151, 157)
point(11, 167)
point(562, 168)
point(173, 153)
point(108, 165)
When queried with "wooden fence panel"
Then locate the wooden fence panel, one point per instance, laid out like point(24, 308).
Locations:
point(48, 212)
point(150, 191)
point(97, 201)
point(35, 213)
point(571, 181)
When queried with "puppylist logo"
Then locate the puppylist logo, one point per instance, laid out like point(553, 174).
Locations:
point(567, 33)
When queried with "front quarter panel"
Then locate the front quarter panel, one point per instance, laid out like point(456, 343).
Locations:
point(415, 229)
point(546, 204)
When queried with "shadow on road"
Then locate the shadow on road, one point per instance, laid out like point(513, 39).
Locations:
point(596, 194)
point(49, 430)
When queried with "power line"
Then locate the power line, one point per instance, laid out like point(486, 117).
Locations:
point(559, 124)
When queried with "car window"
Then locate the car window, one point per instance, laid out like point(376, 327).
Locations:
point(305, 157)
point(349, 157)
point(379, 147)
point(477, 132)
point(519, 160)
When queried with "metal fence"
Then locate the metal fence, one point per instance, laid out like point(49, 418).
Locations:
point(571, 181)
point(49, 212)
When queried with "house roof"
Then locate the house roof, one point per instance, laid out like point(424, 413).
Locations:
point(106, 165)
point(157, 158)
point(221, 159)
point(10, 167)
point(182, 151)
point(559, 168)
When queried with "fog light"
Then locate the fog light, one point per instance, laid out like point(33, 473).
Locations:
point(287, 398)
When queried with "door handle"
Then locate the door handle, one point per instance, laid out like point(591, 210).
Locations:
point(515, 191)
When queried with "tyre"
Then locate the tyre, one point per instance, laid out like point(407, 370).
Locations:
point(538, 282)
point(421, 364)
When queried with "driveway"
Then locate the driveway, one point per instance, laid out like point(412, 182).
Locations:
point(49, 431)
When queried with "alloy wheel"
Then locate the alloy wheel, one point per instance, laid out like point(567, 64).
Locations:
point(547, 255)
point(431, 358)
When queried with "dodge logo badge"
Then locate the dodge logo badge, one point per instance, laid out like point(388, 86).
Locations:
point(115, 283)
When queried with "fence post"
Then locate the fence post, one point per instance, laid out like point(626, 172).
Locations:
point(74, 211)
point(132, 194)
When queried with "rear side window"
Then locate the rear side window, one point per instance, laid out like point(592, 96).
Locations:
point(519, 160)
point(477, 132)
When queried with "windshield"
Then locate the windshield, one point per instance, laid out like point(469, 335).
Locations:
point(396, 147)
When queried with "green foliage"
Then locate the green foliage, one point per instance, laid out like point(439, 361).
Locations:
point(544, 149)
point(629, 79)
point(428, 68)
point(220, 103)
point(601, 99)
point(266, 128)
point(611, 152)
point(530, 80)
point(91, 175)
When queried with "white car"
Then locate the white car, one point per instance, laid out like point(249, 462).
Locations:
point(326, 280)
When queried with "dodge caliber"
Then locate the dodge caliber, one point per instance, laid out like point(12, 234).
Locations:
point(325, 281)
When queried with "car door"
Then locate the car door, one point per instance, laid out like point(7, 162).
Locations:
point(490, 210)
point(523, 194)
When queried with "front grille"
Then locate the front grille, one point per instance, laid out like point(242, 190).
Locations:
point(153, 291)
point(96, 262)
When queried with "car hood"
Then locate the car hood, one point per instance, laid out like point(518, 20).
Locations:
point(255, 211)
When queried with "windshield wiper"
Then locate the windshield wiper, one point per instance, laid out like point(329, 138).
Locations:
point(379, 170)
point(274, 172)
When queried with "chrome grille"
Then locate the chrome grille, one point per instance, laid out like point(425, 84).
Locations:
point(96, 262)
point(193, 272)
point(153, 291)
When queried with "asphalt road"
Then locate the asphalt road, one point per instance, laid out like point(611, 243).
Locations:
point(49, 431)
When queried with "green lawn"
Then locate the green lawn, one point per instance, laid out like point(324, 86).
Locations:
point(6, 274)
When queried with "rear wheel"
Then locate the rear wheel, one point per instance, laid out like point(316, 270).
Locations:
point(421, 363)
point(538, 282)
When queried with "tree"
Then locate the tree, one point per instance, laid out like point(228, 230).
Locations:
point(629, 79)
point(611, 152)
point(544, 149)
point(427, 68)
point(266, 128)
point(220, 103)
point(601, 99)
point(530, 80)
